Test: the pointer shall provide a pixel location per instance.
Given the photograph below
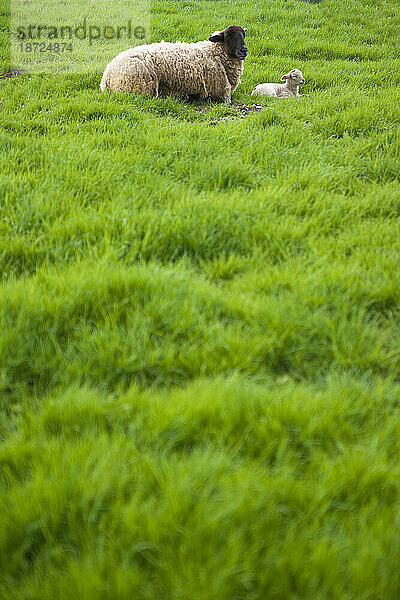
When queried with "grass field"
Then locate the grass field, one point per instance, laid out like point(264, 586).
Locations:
point(200, 322)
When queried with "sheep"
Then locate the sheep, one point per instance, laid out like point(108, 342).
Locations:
point(290, 88)
point(207, 69)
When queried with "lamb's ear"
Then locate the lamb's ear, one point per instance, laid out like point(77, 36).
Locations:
point(245, 29)
point(217, 36)
point(284, 77)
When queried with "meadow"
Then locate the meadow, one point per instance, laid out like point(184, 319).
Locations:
point(200, 321)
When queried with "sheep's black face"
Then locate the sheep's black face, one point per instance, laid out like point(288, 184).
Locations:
point(233, 39)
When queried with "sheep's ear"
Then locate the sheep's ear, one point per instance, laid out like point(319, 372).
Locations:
point(245, 29)
point(217, 36)
point(284, 77)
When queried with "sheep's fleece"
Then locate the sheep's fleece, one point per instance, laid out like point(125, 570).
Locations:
point(208, 69)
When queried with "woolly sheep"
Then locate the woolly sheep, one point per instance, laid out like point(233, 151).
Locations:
point(208, 69)
point(290, 88)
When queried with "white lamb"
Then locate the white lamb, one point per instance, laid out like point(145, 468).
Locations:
point(290, 88)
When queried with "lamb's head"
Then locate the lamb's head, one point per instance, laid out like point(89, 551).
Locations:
point(294, 76)
point(233, 40)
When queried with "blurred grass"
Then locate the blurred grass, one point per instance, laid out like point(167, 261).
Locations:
point(199, 349)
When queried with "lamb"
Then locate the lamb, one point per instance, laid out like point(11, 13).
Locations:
point(293, 80)
point(207, 69)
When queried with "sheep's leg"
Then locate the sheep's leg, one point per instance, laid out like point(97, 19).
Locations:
point(219, 88)
point(204, 91)
point(228, 94)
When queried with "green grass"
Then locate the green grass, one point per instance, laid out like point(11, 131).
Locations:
point(200, 322)
point(44, 23)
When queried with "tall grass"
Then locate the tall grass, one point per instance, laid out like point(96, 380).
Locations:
point(199, 322)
